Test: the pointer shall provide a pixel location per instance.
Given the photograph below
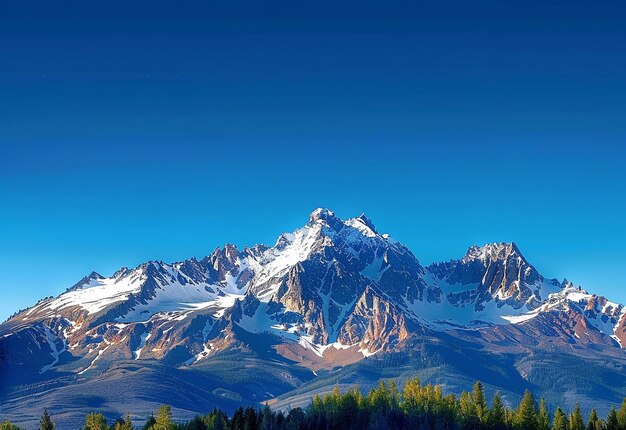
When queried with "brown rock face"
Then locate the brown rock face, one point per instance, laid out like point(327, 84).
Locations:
point(322, 293)
point(620, 331)
point(377, 324)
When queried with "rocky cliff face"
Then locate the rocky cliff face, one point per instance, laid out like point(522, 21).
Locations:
point(496, 272)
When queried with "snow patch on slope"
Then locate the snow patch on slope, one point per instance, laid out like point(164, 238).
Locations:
point(55, 352)
point(93, 362)
point(98, 294)
point(144, 338)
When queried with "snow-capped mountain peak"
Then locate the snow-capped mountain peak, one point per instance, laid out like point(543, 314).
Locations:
point(493, 251)
point(87, 280)
point(332, 286)
point(321, 214)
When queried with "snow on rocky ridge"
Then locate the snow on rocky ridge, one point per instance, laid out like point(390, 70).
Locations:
point(332, 283)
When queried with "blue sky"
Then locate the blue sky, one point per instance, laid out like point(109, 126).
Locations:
point(161, 130)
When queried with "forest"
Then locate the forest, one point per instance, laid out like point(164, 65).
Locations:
point(415, 406)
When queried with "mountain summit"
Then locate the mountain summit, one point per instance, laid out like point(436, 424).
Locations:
point(331, 293)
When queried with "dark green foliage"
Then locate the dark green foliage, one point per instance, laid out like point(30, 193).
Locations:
point(526, 413)
point(560, 420)
point(576, 421)
point(543, 417)
point(5, 425)
point(384, 407)
point(164, 419)
point(594, 423)
point(95, 422)
point(46, 422)
point(480, 403)
point(621, 416)
point(497, 416)
point(216, 420)
point(415, 407)
point(123, 424)
point(468, 413)
point(611, 420)
point(149, 425)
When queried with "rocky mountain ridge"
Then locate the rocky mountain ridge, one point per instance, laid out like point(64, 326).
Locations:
point(329, 294)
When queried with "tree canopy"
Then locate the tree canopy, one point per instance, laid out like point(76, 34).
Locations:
point(414, 406)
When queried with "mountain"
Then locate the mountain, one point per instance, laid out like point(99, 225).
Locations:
point(334, 302)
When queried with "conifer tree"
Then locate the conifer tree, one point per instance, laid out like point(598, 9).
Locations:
point(394, 395)
point(216, 420)
point(509, 417)
point(543, 417)
point(250, 419)
point(95, 421)
point(560, 420)
point(611, 420)
point(149, 425)
point(46, 422)
point(467, 409)
point(164, 418)
point(238, 419)
point(379, 398)
point(411, 395)
point(497, 414)
point(526, 413)
point(594, 423)
point(296, 416)
point(266, 419)
point(621, 416)
point(6, 425)
point(576, 421)
point(123, 424)
point(316, 405)
point(480, 403)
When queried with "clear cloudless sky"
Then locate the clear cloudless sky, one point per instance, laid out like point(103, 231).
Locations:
point(137, 130)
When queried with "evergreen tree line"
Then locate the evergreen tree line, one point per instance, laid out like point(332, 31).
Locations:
point(384, 407)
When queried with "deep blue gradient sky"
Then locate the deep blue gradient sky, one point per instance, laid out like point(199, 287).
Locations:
point(132, 131)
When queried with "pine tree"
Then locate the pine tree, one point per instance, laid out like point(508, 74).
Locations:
point(316, 406)
point(560, 420)
point(543, 417)
point(216, 420)
point(238, 420)
point(379, 398)
point(124, 424)
point(412, 393)
point(611, 420)
point(621, 416)
point(509, 417)
point(6, 425)
point(250, 419)
point(95, 421)
point(496, 418)
point(46, 422)
point(526, 413)
point(394, 395)
point(266, 419)
point(164, 418)
point(576, 421)
point(467, 409)
point(149, 425)
point(594, 422)
point(480, 403)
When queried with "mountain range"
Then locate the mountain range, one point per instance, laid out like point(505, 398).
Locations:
point(333, 303)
